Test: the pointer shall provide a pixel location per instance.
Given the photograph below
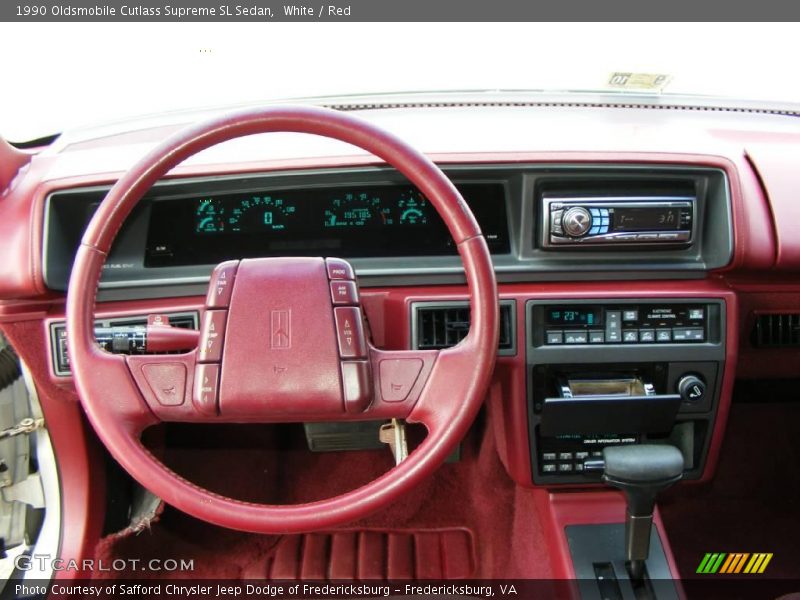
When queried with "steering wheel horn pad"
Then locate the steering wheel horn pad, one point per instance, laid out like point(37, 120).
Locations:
point(284, 353)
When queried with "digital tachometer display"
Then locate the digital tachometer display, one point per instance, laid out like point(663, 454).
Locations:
point(372, 220)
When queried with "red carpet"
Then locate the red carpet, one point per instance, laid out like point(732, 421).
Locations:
point(468, 520)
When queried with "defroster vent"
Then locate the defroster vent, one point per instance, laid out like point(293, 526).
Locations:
point(440, 325)
point(776, 331)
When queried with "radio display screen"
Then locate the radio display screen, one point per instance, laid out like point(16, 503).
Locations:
point(374, 220)
point(574, 315)
point(646, 219)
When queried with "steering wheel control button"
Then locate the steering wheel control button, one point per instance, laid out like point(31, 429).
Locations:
point(691, 388)
point(350, 332)
point(576, 221)
point(206, 389)
point(344, 292)
point(221, 285)
point(398, 376)
point(356, 384)
point(339, 269)
point(212, 335)
point(167, 381)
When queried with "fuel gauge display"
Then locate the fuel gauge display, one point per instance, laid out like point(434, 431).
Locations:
point(209, 216)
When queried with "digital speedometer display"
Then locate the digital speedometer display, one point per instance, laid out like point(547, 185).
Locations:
point(373, 220)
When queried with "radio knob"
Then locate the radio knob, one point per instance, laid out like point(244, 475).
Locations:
point(576, 221)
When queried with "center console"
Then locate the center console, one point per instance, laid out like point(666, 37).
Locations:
point(605, 373)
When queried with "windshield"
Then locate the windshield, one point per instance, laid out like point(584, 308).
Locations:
point(69, 75)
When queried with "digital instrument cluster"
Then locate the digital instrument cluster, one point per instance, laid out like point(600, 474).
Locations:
point(376, 220)
point(343, 209)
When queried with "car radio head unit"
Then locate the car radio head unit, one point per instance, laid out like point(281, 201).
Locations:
point(639, 220)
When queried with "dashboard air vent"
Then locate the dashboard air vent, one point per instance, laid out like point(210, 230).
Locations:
point(442, 325)
point(776, 330)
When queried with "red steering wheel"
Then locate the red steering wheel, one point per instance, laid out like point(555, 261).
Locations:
point(288, 342)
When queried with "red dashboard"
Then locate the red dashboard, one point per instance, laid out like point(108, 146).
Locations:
point(754, 154)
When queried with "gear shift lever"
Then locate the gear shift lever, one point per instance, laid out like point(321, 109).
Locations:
point(641, 472)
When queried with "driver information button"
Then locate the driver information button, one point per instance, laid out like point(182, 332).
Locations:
point(212, 335)
point(350, 332)
point(206, 389)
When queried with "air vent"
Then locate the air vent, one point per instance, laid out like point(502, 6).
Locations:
point(776, 331)
point(58, 334)
point(442, 325)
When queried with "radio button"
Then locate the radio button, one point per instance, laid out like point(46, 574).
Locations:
point(555, 337)
point(350, 332)
point(555, 221)
point(339, 269)
point(647, 335)
point(663, 335)
point(575, 337)
point(647, 237)
point(630, 336)
point(594, 230)
point(596, 337)
point(344, 292)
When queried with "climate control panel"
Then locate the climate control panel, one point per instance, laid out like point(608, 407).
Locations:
point(608, 372)
point(645, 323)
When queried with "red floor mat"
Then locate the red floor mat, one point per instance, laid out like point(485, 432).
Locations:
point(369, 554)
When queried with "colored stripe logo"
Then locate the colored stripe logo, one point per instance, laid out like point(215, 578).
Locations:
point(734, 563)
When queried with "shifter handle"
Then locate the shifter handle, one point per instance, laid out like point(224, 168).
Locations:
point(641, 471)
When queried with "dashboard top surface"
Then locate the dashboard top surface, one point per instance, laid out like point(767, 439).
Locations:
point(480, 139)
